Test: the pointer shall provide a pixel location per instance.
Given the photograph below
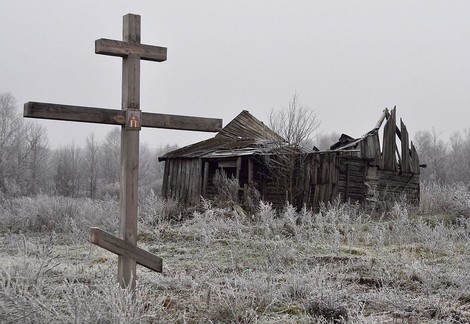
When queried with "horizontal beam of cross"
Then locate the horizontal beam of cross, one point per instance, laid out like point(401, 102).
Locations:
point(122, 49)
point(124, 248)
point(118, 117)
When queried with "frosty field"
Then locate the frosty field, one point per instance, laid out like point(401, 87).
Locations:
point(226, 265)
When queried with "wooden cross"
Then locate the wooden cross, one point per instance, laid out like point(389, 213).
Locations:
point(131, 120)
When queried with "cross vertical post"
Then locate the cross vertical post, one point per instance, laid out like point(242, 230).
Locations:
point(128, 195)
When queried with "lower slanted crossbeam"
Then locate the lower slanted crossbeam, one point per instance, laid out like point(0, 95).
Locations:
point(126, 249)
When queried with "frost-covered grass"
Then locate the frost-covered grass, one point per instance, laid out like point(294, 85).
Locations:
point(445, 199)
point(224, 265)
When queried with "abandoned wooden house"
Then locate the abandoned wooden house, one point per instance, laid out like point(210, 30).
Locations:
point(362, 169)
point(235, 149)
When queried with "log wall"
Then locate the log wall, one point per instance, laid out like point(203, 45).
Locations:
point(352, 179)
point(343, 174)
point(324, 177)
point(386, 185)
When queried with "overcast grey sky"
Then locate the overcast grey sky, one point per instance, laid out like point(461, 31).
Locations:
point(345, 59)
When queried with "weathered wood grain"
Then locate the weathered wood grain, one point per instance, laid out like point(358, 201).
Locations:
point(121, 247)
point(239, 167)
point(165, 179)
point(166, 121)
point(405, 150)
point(250, 171)
point(128, 189)
point(382, 118)
point(389, 143)
point(45, 110)
point(118, 48)
point(205, 179)
point(62, 112)
point(414, 160)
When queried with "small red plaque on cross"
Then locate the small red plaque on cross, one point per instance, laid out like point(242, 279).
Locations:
point(133, 119)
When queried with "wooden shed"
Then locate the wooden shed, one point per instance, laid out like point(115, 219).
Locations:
point(365, 169)
point(235, 149)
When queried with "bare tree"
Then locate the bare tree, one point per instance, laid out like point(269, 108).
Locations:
point(10, 151)
point(146, 174)
point(296, 125)
point(111, 151)
point(38, 157)
point(458, 167)
point(92, 159)
point(433, 152)
point(68, 171)
point(19, 157)
point(23, 150)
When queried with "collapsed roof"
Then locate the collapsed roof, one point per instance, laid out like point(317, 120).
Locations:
point(244, 135)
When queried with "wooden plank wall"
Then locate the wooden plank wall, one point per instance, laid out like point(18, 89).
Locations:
point(320, 179)
point(326, 186)
point(182, 180)
point(404, 158)
point(352, 179)
point(397, 172)
point(330, 174)
point(270, 192)
point(369, 171)
point(390, 185)
point(370, 148)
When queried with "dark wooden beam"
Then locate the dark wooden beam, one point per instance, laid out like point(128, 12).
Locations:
point(201, 124)
point(384, 115)
point(118, 117)
point(122, 49)
point(405, 148)
point(124, 248)
point(45, 110)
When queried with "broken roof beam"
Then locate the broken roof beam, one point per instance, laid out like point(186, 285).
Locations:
point(405, 148)
point(387, 115)
point(414, 168)
point(384, 115)
point(389, 142)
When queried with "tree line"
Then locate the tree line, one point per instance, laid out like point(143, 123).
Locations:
point(29, 166)
point(447, 161)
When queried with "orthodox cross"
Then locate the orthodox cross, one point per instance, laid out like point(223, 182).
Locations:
point(131, 120)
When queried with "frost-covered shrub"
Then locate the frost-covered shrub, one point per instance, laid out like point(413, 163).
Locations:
point(155, 210)
point(226, 188)
point(59, 214)
point(70, 302)
point(439, 198)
